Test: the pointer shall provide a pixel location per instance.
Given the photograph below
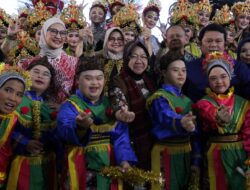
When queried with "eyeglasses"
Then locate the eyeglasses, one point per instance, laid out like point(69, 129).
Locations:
point(119, 40)
point(136, 57)
point(55, 32)
point(45, 74)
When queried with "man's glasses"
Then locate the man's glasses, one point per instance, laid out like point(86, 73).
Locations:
point(55, 32)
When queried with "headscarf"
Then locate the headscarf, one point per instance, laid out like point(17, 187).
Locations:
point(106, 52)
point(45, 50)
point(10, 75)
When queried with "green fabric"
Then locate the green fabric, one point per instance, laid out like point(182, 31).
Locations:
point(232, 158)
point(98, 111)
point(183, 102)
point(36, 178)
point(97, 160)
point(179, 177)
point(239, 104)
point(3, 126)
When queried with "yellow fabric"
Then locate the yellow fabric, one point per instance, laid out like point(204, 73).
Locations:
point(211, 173)
point(14, 173)
point(156, 156)
point(4, 138)
point(74, 185)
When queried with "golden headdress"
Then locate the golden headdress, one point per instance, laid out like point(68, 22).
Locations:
point(100, 3)
point(203, 5)
point(7, 72)
point(154, 5)
point(73, 16)
point(26, 47)
point(37, 17)
point(183, 13)
point(225, 17)
point(241, 8)
point(4, 18)
point(128, 18)
point(112, 3)
point(23, 12)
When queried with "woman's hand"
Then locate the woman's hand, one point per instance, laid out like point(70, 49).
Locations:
point(34, 147)
point(223, 114)
point(124, 115)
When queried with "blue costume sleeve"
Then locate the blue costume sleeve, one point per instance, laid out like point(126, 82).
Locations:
point(165, 122)
point(66, 124)
point(20, 142)
point(121, 143)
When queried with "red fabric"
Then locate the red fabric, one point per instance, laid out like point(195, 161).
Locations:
point(81, 170)
point(166, 168)
point(5, 153)
point(245, 133)
point(24, 176)
point(221, 183)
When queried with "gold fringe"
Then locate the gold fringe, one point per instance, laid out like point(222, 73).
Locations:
point(230, 145)
point(103, 128)
point(155, 96)
point(97, 148)
point(39, 159)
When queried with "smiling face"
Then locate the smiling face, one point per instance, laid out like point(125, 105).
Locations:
point(242, 21)
point(56, 36)
point(115, 43)
point(245, 53)
point(175, 74)
point(91, 84)
point(11, 94)
point(138, 60)
point(150, 19)
point(97, 15)
point(73, 39)
point(219, 80)
point(203, 17)
point(128, 36)
point(212, 41)
point(40, 77)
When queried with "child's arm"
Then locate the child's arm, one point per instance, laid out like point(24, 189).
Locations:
point(121, 143)
point(166, 122)
point(68, 121)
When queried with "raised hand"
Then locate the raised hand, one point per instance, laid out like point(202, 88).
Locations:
point(83, 119)
point(223, 114)
point(124, 115)
point(188, 122)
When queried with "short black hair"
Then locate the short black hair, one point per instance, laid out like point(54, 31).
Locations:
point(175, 25)
point(212, 27)
point(88, 63)
point(169, 58)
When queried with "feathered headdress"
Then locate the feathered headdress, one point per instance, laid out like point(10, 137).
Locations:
point(183, 12)
point(7, 72)
point(241, 8)
point(26, 47)
point(37, 17)
point(154, 5)
point(5, 19)
point(203, 5)
point(73, 16)
point(225, 17)
point(128, 18)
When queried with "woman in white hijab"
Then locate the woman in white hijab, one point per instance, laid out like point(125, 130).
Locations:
point(53, 36)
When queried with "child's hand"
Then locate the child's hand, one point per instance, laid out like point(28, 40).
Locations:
point(124, 115)
point(223, 114)
point(125, 166)
point(188, 121)
point(83, 119)
point(34, 147)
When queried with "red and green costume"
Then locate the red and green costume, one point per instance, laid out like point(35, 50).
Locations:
point(228, 144)
point(167, 107)
point(33, 171)
point(7, 124)
point(104, 143)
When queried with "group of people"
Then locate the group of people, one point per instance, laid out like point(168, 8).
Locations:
point(77, 98)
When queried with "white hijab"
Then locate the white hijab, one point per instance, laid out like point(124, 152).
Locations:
point(45, 50)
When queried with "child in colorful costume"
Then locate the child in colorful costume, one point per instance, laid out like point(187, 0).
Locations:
point(225, 118)
point(34, 165)
point(13, 82)
point(91, 133)
point(173, 125)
